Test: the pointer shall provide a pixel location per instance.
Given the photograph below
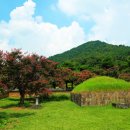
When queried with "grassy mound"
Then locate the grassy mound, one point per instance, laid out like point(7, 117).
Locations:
point(102, 83)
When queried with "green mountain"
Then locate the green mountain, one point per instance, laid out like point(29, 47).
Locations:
point(96, 56)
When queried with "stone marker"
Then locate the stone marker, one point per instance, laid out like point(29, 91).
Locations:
point(121, 105)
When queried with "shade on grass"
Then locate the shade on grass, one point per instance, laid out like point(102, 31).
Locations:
point(102, 83)
point(62, 115)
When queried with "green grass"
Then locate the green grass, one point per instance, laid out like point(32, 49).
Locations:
point(59, 113)
point(102, 83)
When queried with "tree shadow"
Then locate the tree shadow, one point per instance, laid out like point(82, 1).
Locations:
point(56, 98)
point(15, 104)
point(13, 99)
point(4, 115)
point(26, 105)
point(30, 99)
point(6, 118)
point(9, 106)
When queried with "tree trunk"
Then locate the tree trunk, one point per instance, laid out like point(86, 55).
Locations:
point(72, 84)
point(22, 96)
point(66, 85)
point(54, 85)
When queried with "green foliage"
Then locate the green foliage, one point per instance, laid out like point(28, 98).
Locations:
point(102, 83)
point(96, 56)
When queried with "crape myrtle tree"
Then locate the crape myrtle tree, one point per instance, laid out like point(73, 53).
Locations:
point(73, 77)
point(13, 76)
point(27, 73)
point(32, 74)
point(55, 78)
point(3, 87)
point(68, 77)
point(11, 70)
point(82, 76)
point(1, 61)
point(41, 73)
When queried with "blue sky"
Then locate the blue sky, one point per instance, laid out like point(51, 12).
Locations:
point(6, 6)
point(43, 9)
point(49, 27)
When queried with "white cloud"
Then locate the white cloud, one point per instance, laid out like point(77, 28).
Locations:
point(24, 12)
point(113, 24)
point(80, 7)
point(4, 45)
point(34, 35)
point(111, 18)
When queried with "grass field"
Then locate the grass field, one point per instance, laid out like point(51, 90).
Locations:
point(59, 113)
point(104, 83)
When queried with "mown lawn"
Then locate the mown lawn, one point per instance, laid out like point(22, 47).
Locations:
point(59, 113)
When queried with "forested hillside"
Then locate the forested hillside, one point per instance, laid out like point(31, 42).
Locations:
point(97, 56)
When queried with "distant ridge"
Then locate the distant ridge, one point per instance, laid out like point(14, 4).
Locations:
point(95, 55)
